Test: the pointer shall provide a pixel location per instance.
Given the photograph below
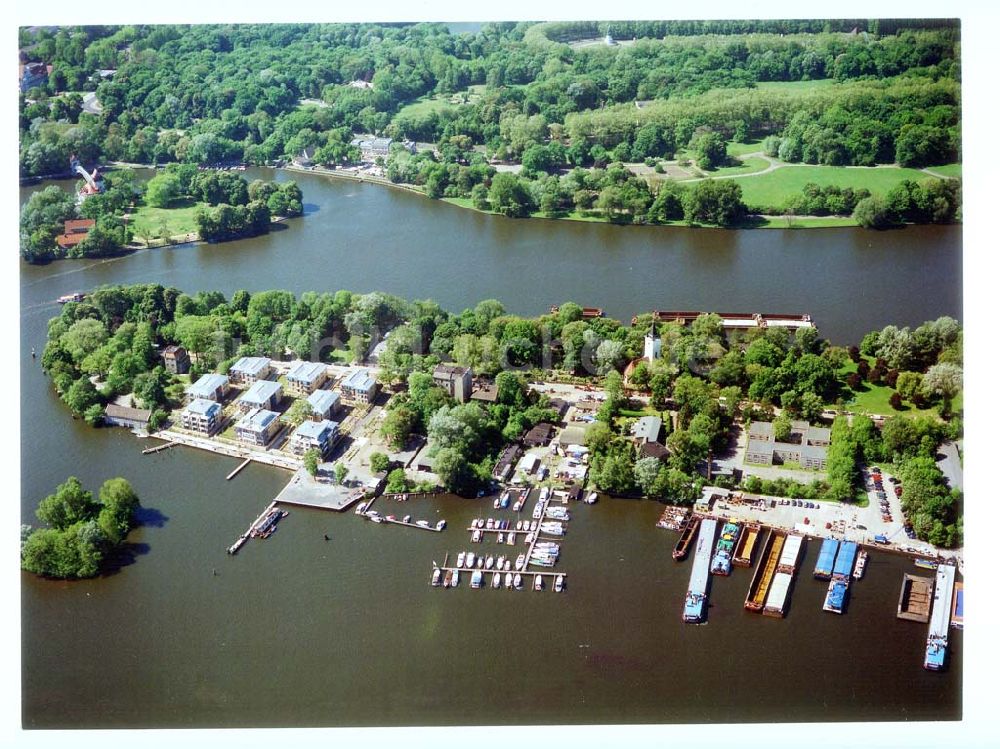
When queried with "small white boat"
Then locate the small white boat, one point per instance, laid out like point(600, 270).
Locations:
point(440, 524)
point(448, 575)
point(591, 498)
point(489, 562)
point(508, 580)
point(511, 538)
point(470, 560)
point(407, 518)
point(538, 582)
point(480, 561)
point(506, 565)
point(518, 526)
point(499, 538)
point(517, 581)
point(455, 579)
point(519, 564)
point(496, 579)
point(424, 524)
point(436, 577)
point(559, 584)
point(489, 524)
point(496, 503)
point(461, 559)
point(477, 579)
point(477, 536)
point(500, 561)
point(534, 525)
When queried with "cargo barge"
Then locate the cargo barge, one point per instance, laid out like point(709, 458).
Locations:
point(722, 562)
point(958, 607)
point(746, 545)
point(766, 567)
point(840, 580)
point(777, 597)
point(694, 601)
point(937, 633)
point(827, 555)
point(684, 542)
point(914, 599)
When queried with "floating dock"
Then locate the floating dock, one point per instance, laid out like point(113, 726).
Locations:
point(249, 532)
point(746, 545)
point(937, 632)
point(684, 542)
point(827, 555)
point(164, 446)
point(840, 580)
point(694, 601)
point(766, 567)
point(958, 607)
point(914, 599)
point(434, 528)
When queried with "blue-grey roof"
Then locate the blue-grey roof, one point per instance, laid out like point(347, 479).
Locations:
point(307, 371)
point(257, 420)
point(359, 380)
point(316, 429)
point(261, 391)
point(203, 406)
point(207, 384)
point(647, 428)
point(323, 400)
point(251, 365)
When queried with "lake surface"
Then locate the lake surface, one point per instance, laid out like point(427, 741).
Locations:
point(299, 631)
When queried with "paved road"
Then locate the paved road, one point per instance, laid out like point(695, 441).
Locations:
point(90, 103)
point(951, 465)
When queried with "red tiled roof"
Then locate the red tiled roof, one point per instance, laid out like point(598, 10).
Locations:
point(79, 224)
point(69, 240)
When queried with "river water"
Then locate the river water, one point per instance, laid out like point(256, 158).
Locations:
point(299, 631)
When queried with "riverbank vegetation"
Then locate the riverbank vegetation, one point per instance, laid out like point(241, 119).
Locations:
point(828, 94)
point(82, 533)
point(707, 383)
point(181, 201)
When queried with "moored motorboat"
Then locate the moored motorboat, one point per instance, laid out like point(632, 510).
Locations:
point(461, 559)
point(519, 564)
point(506, 565)
point(508, 580)
point(447, 578)
point(424, 524)
point(538, 582)
point(441, 524)
point(591, 498)
point(499, 538)
point(511, 538)
point(477, 536)
point(859, 565)
point(517, 581)
point(559, 584)
point(407, 518)
point(436, 577)
point(456, 579)
point(470, 560)
point(489, 524)
point(496, 579)
point(489, 562)
point(477, 579)
point(480, 561)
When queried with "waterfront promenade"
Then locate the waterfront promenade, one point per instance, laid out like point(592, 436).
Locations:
point(269, 457)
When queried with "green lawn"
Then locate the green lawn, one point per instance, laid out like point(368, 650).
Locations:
point(149, 221)
point(749, 165)
point(874, 399)
point(774, 188)
point(817, 222)
point(440, 102)
point(948, 170)
point(738, 149)
point(343, 356)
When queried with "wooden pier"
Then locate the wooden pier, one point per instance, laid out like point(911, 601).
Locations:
point(246, 534)
point(238, 468)
point(433, 528)
point(165, 446)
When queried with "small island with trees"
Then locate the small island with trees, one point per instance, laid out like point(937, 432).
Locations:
point(82, 534)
